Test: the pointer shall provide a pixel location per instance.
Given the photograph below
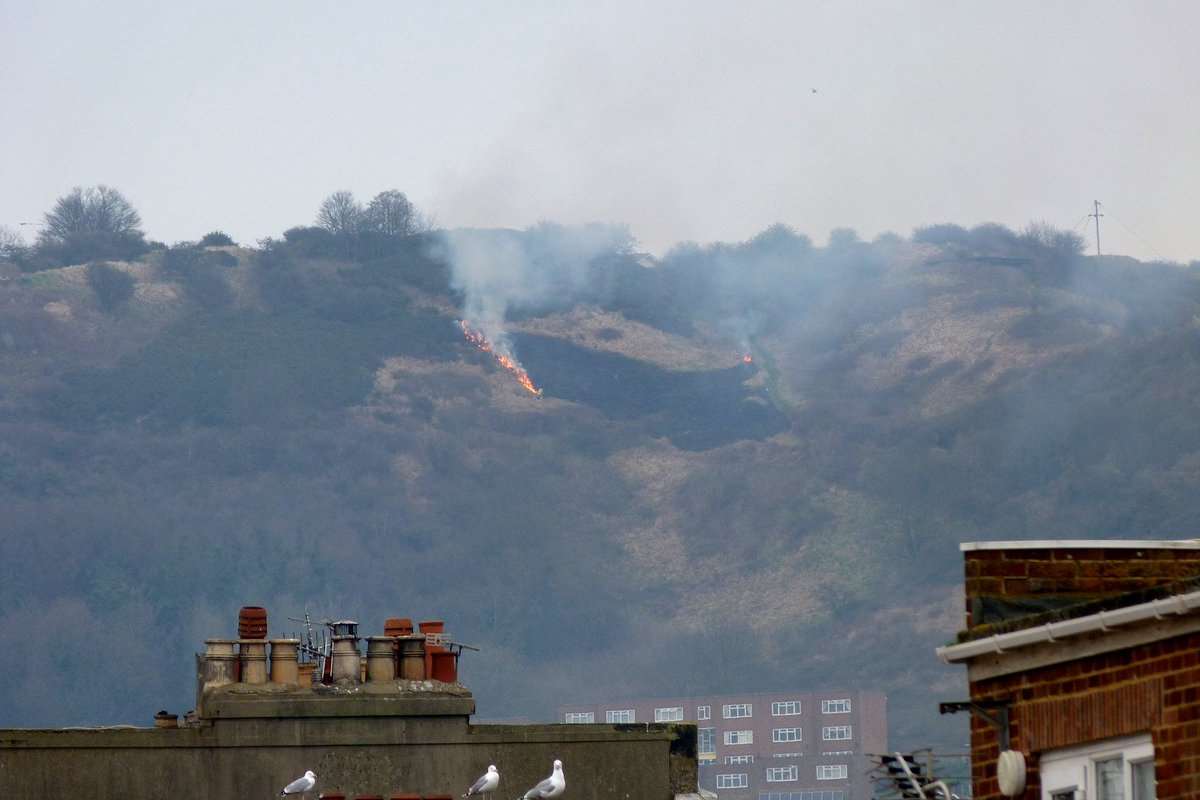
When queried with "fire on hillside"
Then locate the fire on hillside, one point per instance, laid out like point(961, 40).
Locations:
point(508, 362)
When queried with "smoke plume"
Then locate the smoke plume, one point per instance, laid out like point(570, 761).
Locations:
point(505, 271)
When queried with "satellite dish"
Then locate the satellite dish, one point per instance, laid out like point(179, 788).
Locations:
point(1010, 773)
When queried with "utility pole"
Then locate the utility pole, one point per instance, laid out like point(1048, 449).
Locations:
point(1096, 213)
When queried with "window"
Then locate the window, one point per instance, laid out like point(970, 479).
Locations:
point(781, 774)
point(837, 753)
point(836, 733)
point(786, 735)
point(703, 712)
point(805, 795)
point(786, 755)
point(835, 706)
point(735, 780)
point(737, 711)
point(787, 708)
point(705, 741)
point(674, 714)
point(739, 737)
point(1143, 779)
point(731, 760)
point(832, 772)
point(1110, 779)
point(579, 717)
point(1115, 769)
point(623, 715)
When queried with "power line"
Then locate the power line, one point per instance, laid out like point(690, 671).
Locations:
point(1139, 237)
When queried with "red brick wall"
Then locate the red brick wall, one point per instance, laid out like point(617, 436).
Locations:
point(1154, 687)
point(1072, 574)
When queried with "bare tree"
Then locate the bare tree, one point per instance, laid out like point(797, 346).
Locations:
point(391, 214)
point(11, 243)
point(1064, 243)
point(95, 210)
point(341, 214)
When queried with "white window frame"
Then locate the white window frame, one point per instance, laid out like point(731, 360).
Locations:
point(579, 717)
point(783, 735)
point(703, 712)
point(733, 780)
point(617, 716)
point(1073, 769)
point(832, 733)
point(733, 738)
point(739, 760)
point(833, 772)
point(783, 774)
point(785, 708)
point(787, 755)
point(712, 736)
point(735, 711)
point(669, 714)
point(841, 706)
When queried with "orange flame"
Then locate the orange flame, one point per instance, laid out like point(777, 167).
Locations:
point(747, 359)
point(479, 340)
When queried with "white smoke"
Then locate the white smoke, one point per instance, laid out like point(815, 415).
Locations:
point(499, 271)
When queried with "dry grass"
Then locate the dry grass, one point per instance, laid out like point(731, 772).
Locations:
point(611, 332)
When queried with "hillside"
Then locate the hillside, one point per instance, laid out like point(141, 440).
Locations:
point(297, 429)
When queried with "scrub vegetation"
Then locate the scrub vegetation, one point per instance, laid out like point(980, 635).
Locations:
point(301, 423)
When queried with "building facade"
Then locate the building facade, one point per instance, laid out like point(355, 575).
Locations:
point(1083, 662)
point(774, 746)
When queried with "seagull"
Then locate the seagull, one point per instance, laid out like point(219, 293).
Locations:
point(553, 786)
point(487, 782)
point(301, 785)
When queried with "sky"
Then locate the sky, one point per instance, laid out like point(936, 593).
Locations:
point(689, 121)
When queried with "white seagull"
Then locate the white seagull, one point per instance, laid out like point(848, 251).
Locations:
point(553, 786)
point(486, 784)
point(301, 785)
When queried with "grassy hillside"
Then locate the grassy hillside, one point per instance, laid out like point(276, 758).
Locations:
point(296, 430)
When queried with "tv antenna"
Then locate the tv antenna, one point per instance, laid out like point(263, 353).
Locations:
point(315, 646)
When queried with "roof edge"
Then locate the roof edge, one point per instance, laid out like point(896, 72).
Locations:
point(1082, 544)
point(1102, 621)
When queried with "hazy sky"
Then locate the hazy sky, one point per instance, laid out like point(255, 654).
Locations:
point(687, 120)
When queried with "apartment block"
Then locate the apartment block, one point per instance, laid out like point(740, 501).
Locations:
point(771, 746)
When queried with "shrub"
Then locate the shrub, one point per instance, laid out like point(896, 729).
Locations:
point(208, 289)
point(311, 241)
point(993, 238)
point(217, 239)
point(221, 258)
point(1061, 244)
point(181, 258)
point(113, 287)
point(941, 234)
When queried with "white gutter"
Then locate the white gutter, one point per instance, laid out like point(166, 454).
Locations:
point(1178, 604)
point(1083, 544)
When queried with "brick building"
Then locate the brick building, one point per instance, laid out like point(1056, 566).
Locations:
point(1084, 658)
point(776, 746)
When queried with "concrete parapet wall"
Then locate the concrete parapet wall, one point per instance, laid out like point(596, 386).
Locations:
point(253, 758)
